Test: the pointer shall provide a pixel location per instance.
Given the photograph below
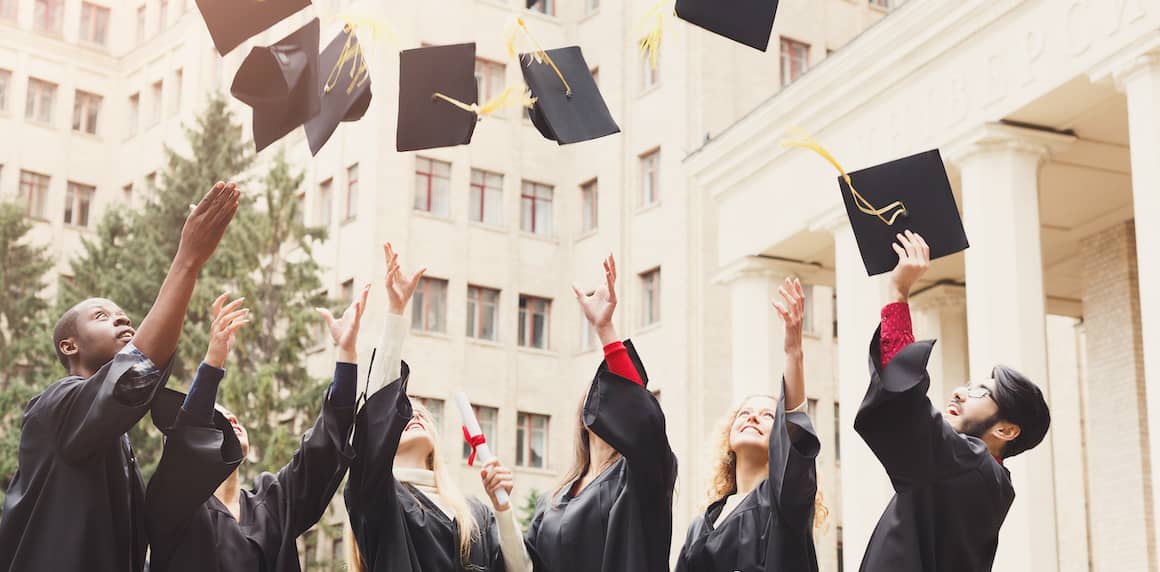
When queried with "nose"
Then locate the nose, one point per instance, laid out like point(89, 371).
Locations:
point(959, 395)
point(122, 320)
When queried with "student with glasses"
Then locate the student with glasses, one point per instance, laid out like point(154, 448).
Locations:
point(952, 491)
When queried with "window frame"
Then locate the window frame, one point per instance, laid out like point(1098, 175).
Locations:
point(475, 305)
point(484, 187)
point(650, 285)
point(350, 202)
point(536, 198)
point(527, 320)
point(87, 33)
point(52, 9)
point(74, 198)
point(430, 176)
point(35, 208)
point(492, 434)
point(422, 305)
point(524, 432)
point(650, 173)
point(788, 47)
point(324, 210)
point(35, 104)
point(86, 107)
point(589, 213)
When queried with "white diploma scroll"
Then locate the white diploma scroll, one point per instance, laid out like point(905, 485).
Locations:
point(483, 452)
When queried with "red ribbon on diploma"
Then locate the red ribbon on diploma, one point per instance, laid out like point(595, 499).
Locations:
point(475, 441)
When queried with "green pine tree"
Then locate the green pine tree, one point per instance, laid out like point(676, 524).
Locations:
point(528, 510)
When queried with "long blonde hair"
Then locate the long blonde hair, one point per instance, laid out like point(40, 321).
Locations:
point(449, 494)
point(724, 478)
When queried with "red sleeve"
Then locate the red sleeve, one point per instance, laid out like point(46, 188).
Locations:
point(897, 331)
point(619, 363)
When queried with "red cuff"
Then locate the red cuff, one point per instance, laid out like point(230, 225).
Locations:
point(897, 330)
point(616, 355)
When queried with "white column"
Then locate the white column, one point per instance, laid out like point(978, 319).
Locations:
point(866, 489)
point(757, 334)
point(941, 313)
point(1140, 81)
point(1005, 311)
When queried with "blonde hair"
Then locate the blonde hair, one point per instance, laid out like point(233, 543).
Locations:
point(449, 494)
point(723, 481)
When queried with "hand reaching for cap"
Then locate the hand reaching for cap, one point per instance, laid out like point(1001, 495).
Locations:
point(496, 476)
point(913, 262)
point(792, 313)
point(400, 288)
point(228, 318)
point(599, 305)
point(206, 224)
point(344, 330)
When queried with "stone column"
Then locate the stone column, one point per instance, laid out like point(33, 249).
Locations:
point(757, 333)
point(940, 312)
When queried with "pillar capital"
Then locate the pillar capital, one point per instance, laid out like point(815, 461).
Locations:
point(1005, 137)
point(940, 297)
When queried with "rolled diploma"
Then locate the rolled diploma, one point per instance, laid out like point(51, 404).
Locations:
point(483, 452)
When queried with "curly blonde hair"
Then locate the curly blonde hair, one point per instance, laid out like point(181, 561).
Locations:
point(724, 477)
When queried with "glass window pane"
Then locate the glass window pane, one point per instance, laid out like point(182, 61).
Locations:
point(493, 206)
point(474, 206)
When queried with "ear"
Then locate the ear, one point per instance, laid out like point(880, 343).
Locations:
point(68, 347)
point(1005, 431)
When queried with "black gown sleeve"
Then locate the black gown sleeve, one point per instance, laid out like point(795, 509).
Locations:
point(628, 417)
point(196, 458)
point(371, 492)
point(899, 423)
point(90, 414)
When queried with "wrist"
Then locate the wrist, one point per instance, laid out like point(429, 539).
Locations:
point(396, 310)
point(348, 356)
point(186, 262)
point(898, 293)
point(794, 353)
point(215, 360)
point(607, 334)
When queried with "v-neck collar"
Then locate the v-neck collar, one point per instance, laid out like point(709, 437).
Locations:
point(569, 494)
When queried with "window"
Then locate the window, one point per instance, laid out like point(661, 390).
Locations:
point(34, 194)
point(134, 118)
point(795, 58)
point(588, 206)
point(837, 432)
point(346, 291)
point(536, 209)
point(544, 7)
point(808, 316)
point(489, 80)
point(162, 14)
point(650, 167)
point(155, 110)
point(8, 9)
point(41, 97)
point(591, 6)
point(141, 24)
point(429, 310)
point(650, 297)
point(336, 550)
point(77, 201)
point(325, 200)
point(351, 193)
point(534, 315)
point(486, 198)
point(588, 339)
point(94, 24)
point(48, 15)
point(434, 407)
point(481, 312)
point(812, 408)
point(531, 440)
point(488, 421)
point(178, 80)
point(650, 75)
point(432, 186)
point(127, 194)
point(5, 80)
point(86, 110)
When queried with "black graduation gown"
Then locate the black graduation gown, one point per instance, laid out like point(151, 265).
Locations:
point(191, 530)
point(397, 528)
point(623, 519)
point(950, 494)
point(771, 530)
point(77, 499)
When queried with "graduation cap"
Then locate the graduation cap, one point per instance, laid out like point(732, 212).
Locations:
point(749, 22)
point(568, 106)
point(437, 97)
point(345, 86)
point(280, 82)
point(533, 3)
point(232, 22)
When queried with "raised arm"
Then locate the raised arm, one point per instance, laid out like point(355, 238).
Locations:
point(495, 477)
point(913, 262)
point(389, 351)
point(792, 311)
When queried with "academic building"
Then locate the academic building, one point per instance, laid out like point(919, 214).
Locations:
point(1046, 114)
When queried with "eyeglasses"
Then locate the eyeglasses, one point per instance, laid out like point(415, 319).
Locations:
point(979, 391)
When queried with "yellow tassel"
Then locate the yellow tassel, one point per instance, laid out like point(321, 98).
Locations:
point(351, 53)
point(650, 28)
point(508, 98)
point(517, 29)
point(804, 141)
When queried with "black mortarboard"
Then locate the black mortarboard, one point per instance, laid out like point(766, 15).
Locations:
point(561, 117)
point(920, 184)
point(749, 22)
point(232, 22)
point(532, 3)
point(426, 121)
point(281, 83)
point(345, 85)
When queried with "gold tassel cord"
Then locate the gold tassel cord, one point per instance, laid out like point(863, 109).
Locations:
point(806, 142)
point(351, 54)
point(501, 101)
point(651, 29)
point(538, 53)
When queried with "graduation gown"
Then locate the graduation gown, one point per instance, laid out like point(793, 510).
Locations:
point(950, 494)
point(190, 529)
point(397, 528)
point(623, 519)
point(77, 499)
point(771, 530)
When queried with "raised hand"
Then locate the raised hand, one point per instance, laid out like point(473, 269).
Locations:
point(496, 476)
point(207, 223)
point(599, 305)
point(344, 331)
point(400, 288)
point(792, 313)
point(913, 262)
point(228, 317)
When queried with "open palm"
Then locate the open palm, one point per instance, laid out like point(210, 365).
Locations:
point(400, 288)
point(599, 305)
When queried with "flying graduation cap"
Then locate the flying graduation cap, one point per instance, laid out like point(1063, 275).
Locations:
point(232, 22)
point(749, 22)
point(912, 193)
point(437, 97)
point(280, 82)
point(568, 107)
point(344, 86)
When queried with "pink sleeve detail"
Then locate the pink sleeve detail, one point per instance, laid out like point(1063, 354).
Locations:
point(619, 363)
point(897, 331)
